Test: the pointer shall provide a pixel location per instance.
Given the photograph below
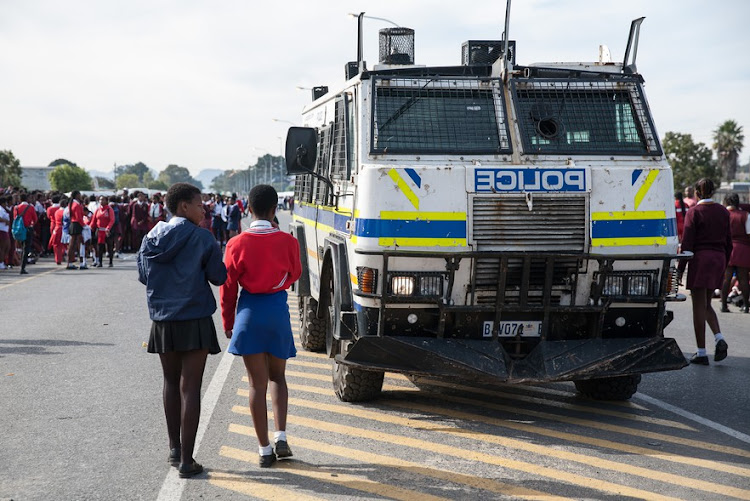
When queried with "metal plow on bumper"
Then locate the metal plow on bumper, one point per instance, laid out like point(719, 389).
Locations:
point(485, 361)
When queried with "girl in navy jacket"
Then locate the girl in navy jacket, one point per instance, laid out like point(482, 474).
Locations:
point(176, 262)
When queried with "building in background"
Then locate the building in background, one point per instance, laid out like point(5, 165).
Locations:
point(36, 178)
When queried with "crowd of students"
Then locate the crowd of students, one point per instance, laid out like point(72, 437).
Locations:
point(77, 228)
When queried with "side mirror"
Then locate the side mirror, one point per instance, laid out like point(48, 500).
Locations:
point(301, 150)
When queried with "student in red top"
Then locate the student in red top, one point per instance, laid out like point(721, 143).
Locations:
point(27, 212)
point(139, 219)
point(708, 237)
point(103, 221)
point(265, 262)
point(51, 218)
point(58, 246)
point(76, 228)
point(680, 209)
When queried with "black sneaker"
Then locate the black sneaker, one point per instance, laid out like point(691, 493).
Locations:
point(283, 450)
point(267, 460)
point(174, 456)
point(71, 267)
point(189, 470)
point(695, 359)
point(721, 351)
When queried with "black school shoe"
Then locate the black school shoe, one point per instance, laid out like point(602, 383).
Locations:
point(695, 359)
point(189, 470)
point(721, 351)
point(283, 450)
point(267, 460)
point(174, 456)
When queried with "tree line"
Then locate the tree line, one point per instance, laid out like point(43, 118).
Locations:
point(690, 161)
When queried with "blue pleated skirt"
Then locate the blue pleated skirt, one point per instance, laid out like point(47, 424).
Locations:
point(262, 325)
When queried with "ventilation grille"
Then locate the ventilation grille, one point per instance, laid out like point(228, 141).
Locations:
point(505, 223)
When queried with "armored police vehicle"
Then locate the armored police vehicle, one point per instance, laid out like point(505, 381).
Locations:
point(486, 222)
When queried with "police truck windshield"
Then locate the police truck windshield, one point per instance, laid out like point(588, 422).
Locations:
point(438, 117)
point(583, 117)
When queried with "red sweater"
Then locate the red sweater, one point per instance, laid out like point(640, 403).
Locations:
point(262, 260)
point(104, 217)
point(76, 212)
point(29, 216)
point(51, 216)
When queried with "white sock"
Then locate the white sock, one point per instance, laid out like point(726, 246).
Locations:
point(265, 451)
point(701, 352)
point(718, 337)
point(279, 435)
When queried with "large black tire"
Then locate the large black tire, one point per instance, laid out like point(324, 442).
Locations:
point(312, 332)
point(609, 388)
point(356, 385)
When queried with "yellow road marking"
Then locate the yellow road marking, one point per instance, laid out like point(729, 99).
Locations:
point(313, 365)
point(244, 485)
point(326, 475)
point(32, 277)
point(604, 426)
point(641, 193)
point(708, 464)
point(519, 444)
point(573, 437)
point(414, 468)
point(562, 405)
point(310, 354)
point(450, 450)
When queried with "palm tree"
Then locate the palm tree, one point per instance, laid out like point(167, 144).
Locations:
point(728, 140)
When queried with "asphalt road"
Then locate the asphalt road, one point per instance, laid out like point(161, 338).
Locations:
point(81, 418)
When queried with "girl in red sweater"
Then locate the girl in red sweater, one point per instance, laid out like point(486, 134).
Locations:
point(265, 262)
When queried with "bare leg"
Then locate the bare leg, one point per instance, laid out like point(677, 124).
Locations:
point(257, 373)
point(725, 286)
point(279, 392)
point(698, 298)
point(742, 277)
point(193, 364)
point(171, 364)
point(711, 318)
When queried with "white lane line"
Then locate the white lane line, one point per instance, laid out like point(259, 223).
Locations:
point(694, 417)
point(171, 489)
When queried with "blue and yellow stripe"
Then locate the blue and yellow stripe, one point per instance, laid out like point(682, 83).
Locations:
point(625, 228)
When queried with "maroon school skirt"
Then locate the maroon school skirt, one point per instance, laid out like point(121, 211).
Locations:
point(706, 270)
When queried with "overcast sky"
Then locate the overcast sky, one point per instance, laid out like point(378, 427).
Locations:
point(197, 83)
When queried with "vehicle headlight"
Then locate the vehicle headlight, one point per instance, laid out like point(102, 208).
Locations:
point(402, 285)
point(640, 283)
point(431, 285)
point(639, 286)
point(612, 286)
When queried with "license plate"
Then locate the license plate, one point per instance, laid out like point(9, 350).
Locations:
point(512, 328)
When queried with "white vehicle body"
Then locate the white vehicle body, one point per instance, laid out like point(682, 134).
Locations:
point(477, 210)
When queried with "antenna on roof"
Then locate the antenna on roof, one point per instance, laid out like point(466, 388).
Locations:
point(635, 31)
point(505, 41)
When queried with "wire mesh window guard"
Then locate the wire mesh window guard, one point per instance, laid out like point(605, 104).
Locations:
point(303, 188)
point(339, 159)
point(584, 117)
point(424, 116)
point(323, 163)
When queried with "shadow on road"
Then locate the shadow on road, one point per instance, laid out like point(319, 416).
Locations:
point(39, 346)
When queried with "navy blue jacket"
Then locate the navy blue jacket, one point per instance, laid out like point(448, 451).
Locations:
point(176, 262)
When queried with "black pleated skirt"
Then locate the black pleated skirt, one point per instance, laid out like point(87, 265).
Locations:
point(183, 335)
